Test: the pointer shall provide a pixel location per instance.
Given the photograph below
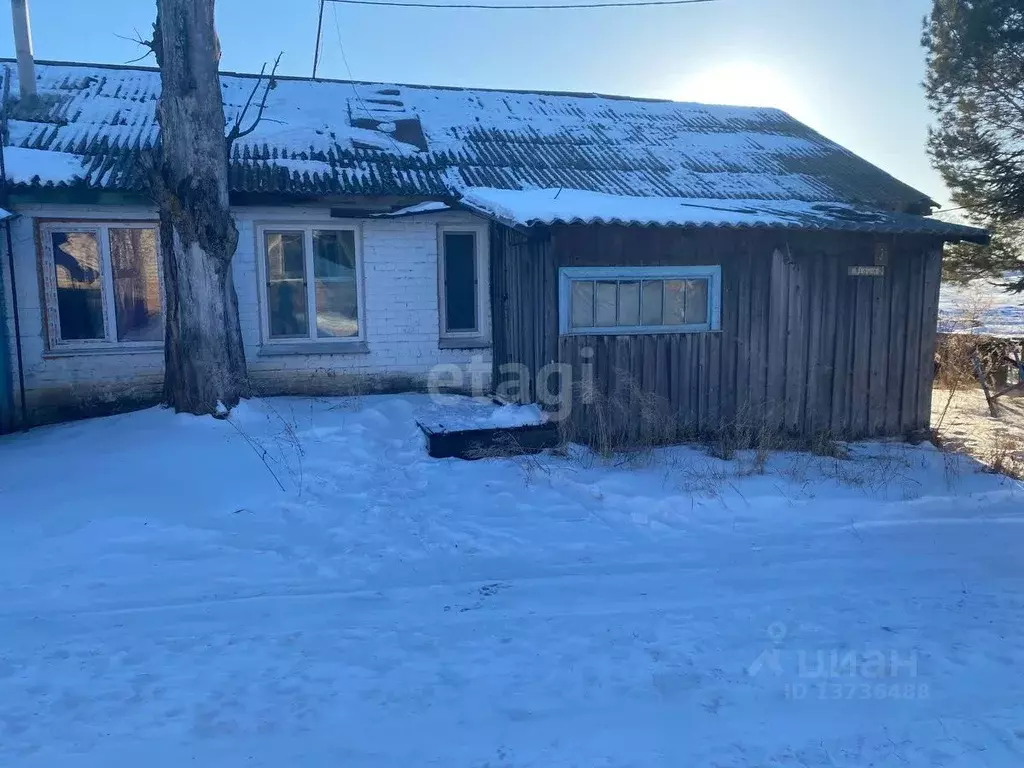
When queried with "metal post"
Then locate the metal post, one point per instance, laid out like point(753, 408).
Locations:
point(319, 29)
point(23, 48)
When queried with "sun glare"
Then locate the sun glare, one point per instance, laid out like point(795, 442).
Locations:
point(744, 84)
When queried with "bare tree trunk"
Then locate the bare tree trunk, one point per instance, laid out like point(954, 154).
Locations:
point(203, 355)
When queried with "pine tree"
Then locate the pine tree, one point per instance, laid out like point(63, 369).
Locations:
point(975, 86)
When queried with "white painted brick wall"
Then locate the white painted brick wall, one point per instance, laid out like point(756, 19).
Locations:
point(399, 293)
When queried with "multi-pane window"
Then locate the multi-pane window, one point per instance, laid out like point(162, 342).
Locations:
point(461, 280)
point(613, 300)
point(102, 283)
point(311, 277)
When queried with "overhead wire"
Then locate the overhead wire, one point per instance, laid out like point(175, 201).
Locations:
point(525, 7)
point(348, 69)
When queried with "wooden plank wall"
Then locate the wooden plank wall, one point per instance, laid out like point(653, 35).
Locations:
point(803, 345)
point(524, 298)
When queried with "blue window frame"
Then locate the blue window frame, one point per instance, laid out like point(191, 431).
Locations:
point(613, 301)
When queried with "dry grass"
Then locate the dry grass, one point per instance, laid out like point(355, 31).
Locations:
point(626, 428)
point(963, 425)
point(961, 419)
point(627, 425)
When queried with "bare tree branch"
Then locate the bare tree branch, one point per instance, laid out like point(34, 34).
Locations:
point(237, 131)
point(149, 45)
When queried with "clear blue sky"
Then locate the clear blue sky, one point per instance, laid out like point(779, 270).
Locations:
point(852, 69)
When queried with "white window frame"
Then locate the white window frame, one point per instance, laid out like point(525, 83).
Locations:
point(567, 275)
point(102, 231)
point(307, 228)
point(482, 332)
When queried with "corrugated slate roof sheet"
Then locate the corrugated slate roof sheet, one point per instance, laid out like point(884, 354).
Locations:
point(542, 207)
point(334, 137)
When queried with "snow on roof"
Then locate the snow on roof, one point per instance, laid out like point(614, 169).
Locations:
point(574, 206)
point(413, 210)
point(38, 166)
point(355, 138)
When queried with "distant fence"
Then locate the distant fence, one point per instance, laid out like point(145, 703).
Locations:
point(995, 363)
point(1000, 356)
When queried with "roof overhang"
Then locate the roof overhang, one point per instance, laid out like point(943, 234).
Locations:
point(419, 209)
point(545, 207)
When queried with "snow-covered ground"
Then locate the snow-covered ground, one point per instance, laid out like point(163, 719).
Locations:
point(165, 603)
point(981, 306)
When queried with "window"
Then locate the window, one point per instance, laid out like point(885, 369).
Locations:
point(311, 278)
point(462, 280)
point(624, 300)
point(103, 284)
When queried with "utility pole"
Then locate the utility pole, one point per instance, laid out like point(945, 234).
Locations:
point(319, 29)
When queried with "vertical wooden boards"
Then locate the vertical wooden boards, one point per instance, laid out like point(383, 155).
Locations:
point(844, 310)
point(675, 368)
point(692, 390)
point(623, 378)
point(662, 366)
point(929, 331)
point(513, 337)
point(898, 271)
point(499, 352)
point(796, 346)
point(727, 342)
point(879, 352)
point(761, 268)
point(861, 367)
point(549, 300)
point(802, 341)
point(825, 363)
point(541, 308)
point(815, 418)
point(742, 342)
point(527, 315)
point(716, 394)
point(912, 354)
point(778, 322)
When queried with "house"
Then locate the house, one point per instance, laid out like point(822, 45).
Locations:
point(726, 260)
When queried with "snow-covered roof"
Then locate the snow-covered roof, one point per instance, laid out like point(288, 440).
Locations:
point(339, 137)
point(329, 137)
point(573, 206)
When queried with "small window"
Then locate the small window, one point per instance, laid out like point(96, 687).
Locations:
point(462, 283)
point(103, 284)
point(612, 300)
point(311, 277)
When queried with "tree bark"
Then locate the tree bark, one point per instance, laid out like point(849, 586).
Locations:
point(203, 355)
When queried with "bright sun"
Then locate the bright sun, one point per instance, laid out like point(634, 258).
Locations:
point(745, 84)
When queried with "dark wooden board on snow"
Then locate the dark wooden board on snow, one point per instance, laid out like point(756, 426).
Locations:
point(471, 444)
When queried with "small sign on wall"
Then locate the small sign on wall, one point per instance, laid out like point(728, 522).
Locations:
point(866, 271)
